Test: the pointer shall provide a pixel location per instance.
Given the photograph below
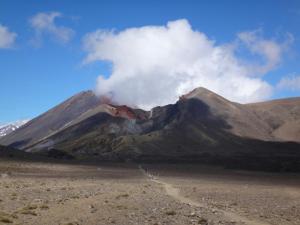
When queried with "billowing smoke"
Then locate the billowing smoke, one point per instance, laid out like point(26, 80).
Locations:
point(154, 65)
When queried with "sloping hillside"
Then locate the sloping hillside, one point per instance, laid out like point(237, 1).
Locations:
point(52, 120)
point(282, 116)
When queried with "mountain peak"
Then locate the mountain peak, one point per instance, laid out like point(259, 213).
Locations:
point(204, 95)
point(10, 127)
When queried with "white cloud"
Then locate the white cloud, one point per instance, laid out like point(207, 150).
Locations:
point(44, 24)
point(270, 50)
point(290, 83)
point(154, 65)
point(7, 38)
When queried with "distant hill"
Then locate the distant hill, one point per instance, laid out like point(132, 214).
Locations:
point(201, 127)
point(10, 127)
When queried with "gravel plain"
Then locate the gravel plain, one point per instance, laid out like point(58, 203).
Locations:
point(73, 194)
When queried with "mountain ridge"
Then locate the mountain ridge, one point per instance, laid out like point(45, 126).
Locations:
point(199, 126)
point(11, 127)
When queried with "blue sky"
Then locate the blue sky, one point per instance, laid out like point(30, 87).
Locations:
point(40, 69)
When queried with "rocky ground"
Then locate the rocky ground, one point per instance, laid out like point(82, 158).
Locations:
point(54, 194)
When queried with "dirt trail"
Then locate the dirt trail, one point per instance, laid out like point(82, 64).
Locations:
point(175, 193)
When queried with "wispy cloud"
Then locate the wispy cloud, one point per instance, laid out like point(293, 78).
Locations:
point(291, 82)
point(7, 38)
point(154, 65)
point(45, 24)
point(271, 51)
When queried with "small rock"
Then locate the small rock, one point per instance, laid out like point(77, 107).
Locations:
point(4, 175)
point(193, 214)
point(93, 210)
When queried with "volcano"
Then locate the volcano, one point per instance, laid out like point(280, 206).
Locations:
point(201, 127)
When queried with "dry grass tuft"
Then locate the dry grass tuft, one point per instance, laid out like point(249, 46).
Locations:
point(122, 196)
point(203, 221)
point(30, 207)
point(6, 218)
point(171, 213)
point(28, 210)
point(44, 207)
